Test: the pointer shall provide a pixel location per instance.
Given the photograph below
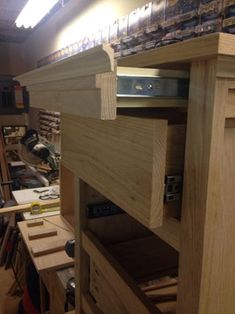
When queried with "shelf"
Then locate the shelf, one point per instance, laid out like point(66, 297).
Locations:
point(126, 265)
point(202, 48)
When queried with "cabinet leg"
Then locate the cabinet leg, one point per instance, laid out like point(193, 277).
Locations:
point(207, 262)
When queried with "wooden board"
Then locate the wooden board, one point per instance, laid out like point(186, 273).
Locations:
point(53, 260)
point(87, 79)
point(35, 222)
point(48, 248)
point(42, 233)
point(125, 160)
point(92, 61)
point(205, 47)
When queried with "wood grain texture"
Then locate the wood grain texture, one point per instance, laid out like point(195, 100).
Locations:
point(170, 232)
point(97, 100)
point(203, 211)
point(35, 222)
point(53, 260)
point(81, 258)
point(151, 72)
point(217, 281)
point(123, 159)
point(129, 294)
point(83, 85)
point(226, 66)
point(230, 105)
point(96, 60)
point(123, 102)
point(47, 248)
point(42, 233)
point(67, 192)
point(118, 159)
point(205, 47)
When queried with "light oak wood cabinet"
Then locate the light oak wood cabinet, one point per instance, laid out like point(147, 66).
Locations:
point(126, 158)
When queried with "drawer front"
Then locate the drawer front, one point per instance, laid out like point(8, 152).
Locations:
point(126, 160)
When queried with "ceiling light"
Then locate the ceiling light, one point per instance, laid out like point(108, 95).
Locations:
point(33, 12)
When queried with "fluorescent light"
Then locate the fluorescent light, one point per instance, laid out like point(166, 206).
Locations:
point(33, 12)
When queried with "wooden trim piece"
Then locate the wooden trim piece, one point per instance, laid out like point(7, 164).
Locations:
point(82, 260)
point(41, 233)
point(125, 102)
point(127, 290)
point(96, 60)
point(93, 97)
point(47, 248)
point(205, 240)
point(143, 72)
point(35, 222)
point(225, 67)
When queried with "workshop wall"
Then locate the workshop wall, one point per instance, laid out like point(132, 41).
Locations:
point(77, 19)
point(12, 59)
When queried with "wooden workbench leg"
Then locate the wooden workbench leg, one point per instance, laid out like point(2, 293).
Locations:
point(81, 258)
point(207, 259)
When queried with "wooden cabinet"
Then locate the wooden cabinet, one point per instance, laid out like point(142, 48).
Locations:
point(126, 159)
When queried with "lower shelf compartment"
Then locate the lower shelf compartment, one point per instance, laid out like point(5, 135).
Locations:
point(137, 276)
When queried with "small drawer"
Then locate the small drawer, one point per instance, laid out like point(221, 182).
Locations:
point(119, 274)
point(127, 161)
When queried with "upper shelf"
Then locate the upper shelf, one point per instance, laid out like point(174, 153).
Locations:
point(205, 47)
point(85, 84)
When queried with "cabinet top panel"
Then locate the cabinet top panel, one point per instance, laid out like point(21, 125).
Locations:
point(200, 48)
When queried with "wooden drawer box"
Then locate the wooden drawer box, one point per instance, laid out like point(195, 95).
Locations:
point(117, 273)
point(126, 160)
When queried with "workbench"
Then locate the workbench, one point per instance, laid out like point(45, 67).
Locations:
point(123, 158)
point(48, 264)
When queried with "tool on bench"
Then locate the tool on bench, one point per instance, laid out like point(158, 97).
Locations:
point(70, 247)
point(35, 149)
point(36, 209)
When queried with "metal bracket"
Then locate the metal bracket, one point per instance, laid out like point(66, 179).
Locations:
point(173, 188)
